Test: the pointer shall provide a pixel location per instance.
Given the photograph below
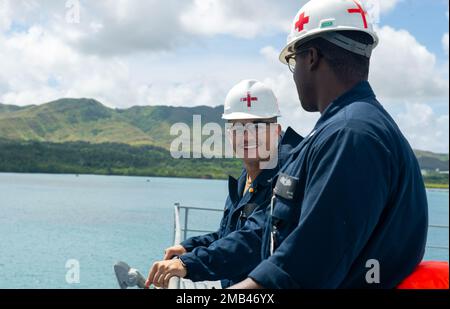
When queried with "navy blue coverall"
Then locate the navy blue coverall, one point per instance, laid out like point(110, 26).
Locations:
point(351, 193)
point(234, 250)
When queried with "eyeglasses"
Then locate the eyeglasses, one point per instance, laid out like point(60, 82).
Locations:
point(240, 128)
point(290, 59)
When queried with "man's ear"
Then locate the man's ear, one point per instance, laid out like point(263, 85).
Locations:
point(314, 58)
point(279, 129)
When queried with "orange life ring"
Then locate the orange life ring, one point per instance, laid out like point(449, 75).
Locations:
point(428, 276)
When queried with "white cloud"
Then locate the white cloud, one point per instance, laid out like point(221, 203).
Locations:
point(119, 27)
point(18, 14)
point(402, 68)
point(250, 18)
point(445, 43)
point(388, 5)
point(271, 56)
point(191, 94)
point(424, 129)
point(5, 15)
point(107, 27)
point(239, 18)
point(50, 69)
point(445, 37)
point(115, 27)
point(39, 67)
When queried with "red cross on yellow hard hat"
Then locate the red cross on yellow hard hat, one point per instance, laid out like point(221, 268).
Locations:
point(251, 99)
point(325, 18)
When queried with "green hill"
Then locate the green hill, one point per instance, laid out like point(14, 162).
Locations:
point(68, 123)
point(9, 108)
point(84, 136)
point(432, 161)
point(156, 121)
point(71, 120)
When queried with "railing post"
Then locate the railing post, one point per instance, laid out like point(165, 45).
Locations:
point(174, 282)
point(186, 215)
point(176, 222)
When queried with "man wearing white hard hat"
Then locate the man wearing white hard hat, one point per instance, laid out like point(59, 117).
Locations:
point(251, 112)
point(349, 209)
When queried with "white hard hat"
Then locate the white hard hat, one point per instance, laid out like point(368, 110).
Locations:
point(251, 99)
point(323, 18)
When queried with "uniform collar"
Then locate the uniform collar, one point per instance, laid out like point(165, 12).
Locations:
point(362, 90)
point(236, 186)
point(289, 141)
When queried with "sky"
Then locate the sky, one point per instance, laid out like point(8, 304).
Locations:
point(191, 52)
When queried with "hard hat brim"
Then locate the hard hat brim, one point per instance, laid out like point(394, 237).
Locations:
point(316, 34)
point(248, 116)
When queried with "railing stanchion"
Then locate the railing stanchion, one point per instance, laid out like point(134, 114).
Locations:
point(186, 218)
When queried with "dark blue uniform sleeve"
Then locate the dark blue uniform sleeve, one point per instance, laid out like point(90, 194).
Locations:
point(230, 257)
point(200, 241)
point(346, 191)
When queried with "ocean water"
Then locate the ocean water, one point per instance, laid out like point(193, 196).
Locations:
point(47, 221)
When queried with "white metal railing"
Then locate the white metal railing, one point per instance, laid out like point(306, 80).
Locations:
point(177, 228)
point(181, 232)
point(174, 282)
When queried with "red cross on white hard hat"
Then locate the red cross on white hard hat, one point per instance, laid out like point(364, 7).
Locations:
point(325, 18)
point(251, 99)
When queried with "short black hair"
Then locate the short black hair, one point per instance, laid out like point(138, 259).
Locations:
point(345, 64)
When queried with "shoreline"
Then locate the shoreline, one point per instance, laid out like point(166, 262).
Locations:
point(436, 187)
point(112, 175)
point(428, 186)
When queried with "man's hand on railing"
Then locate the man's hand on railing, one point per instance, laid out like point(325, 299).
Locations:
point(174, 251)
point(161, 272)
